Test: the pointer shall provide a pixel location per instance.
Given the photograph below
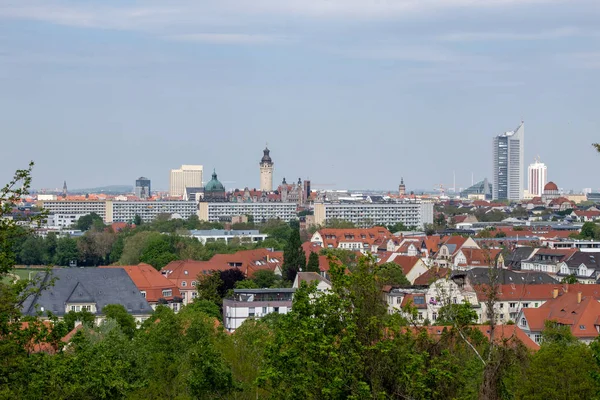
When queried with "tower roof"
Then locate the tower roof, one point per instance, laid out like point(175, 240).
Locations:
point(550, 186)
point(214, 185)
point(266, 157)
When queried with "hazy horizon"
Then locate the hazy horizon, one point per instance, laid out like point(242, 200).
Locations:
point(356, 93)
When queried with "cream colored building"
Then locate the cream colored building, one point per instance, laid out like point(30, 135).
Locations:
point(266, 172)
point(186, 176)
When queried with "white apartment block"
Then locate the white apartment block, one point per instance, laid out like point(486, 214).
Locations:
point(186, 176)
point(62, 220)
point(121, 211)
point(255, 303)
point(125, 211)
point(214, 212)
point(80, 207)
point(369, 214)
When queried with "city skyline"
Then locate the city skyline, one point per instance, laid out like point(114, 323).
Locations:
point(338, 91)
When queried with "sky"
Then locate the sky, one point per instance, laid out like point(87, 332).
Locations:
point(351, 94)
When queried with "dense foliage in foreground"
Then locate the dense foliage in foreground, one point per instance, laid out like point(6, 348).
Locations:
point(331, 346)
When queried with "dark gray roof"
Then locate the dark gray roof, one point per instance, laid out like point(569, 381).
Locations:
point(590, 259)
point(480, 276)
point(101, 286)
point(519, 254)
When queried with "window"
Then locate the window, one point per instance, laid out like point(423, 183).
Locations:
point(86, 308)
point(581, 326)
point(398, 300)
point(501, 316)
point(75, 308)
point(434, 316)
point(143, 293)
point(535, 304)
point(276, 310)
point(167, 293)
point(194, 283)
point(454, 300)
point(194, 295)
point(175, 306)
point(183, 283)
point(251, 312)
point(525, 305)
point(420, 316)
point(537, 338)
point(264, 310)
point(523, 322)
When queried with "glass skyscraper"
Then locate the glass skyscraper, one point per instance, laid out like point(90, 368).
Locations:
point(508, 169)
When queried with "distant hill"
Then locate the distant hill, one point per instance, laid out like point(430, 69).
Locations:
point(111, 189)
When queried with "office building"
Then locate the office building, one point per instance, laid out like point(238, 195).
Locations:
point(509, 150)
point(142, 188)
point(537, 178)
point(416, 214)
point(186, 176)
point(226, 211)
point(266, 172)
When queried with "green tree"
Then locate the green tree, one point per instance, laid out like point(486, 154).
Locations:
point(294, 259)
point(560, 355)
point(500, 235)
point(125, 320)
point(208, 287)
point(157, 251)
point(86, 222)
point(339, 224)
point(50, 244)
point(265, 278)
point(313, 263)
point(461, 315)
point(32, 251)
point(391, 274)
point(66, 251)
point(589, 230)
point(570, 279)
point(137, 220)
point(204, 306)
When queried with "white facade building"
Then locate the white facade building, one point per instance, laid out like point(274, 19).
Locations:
point(62, 220)
point(186, 176)
point(255, 303)
point(538, 177)
point(416, 214)
point(214, 212)
point(121, 211)
point(508, 169)
point(221, 235)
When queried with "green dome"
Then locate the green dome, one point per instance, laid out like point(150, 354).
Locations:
point(214, 185)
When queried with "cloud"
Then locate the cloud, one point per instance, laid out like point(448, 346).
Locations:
point(228, 38)
point(155, 14)
point(585, 60)
point(563, 32)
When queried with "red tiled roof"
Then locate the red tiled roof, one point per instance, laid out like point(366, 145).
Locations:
point(566, 310)
point(407, 263)
point(432, 275)
point(502, 334)
point(147, 279)
point(526, 292)
point(188, 271)
point(332, 237)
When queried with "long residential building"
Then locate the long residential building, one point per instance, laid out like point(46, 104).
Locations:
point(222, 211)
point(121, 211)
point(416, 214)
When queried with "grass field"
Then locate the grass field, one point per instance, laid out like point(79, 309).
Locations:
point(21, 273)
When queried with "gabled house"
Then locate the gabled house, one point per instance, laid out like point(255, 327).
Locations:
point(184, 274)
point(467, 258)
point(585, 266)
point(585, 215)
point(573, 309)
point(323, 285)
point(87, 289)
point(450, 247)
point(363, 240)
point(153, 285)
point(547, 260)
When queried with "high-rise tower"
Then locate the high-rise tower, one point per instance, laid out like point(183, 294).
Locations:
point(266, 172)
point(508, 169)
point(401, 188)
point(538, 177)
point(64, 192)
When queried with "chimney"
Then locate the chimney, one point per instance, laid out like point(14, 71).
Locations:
point(578, 297)
point(554, 293)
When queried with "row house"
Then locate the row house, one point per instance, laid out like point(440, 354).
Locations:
point(579, 311)
point(584, 266)
point(363, 240)
point(513, 298)
point(468, 258)
point(449, 248)
point(546, 260)
point(585, 215)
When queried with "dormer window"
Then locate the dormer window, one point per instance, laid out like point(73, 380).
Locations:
point(167, 293)
point(183, 283)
